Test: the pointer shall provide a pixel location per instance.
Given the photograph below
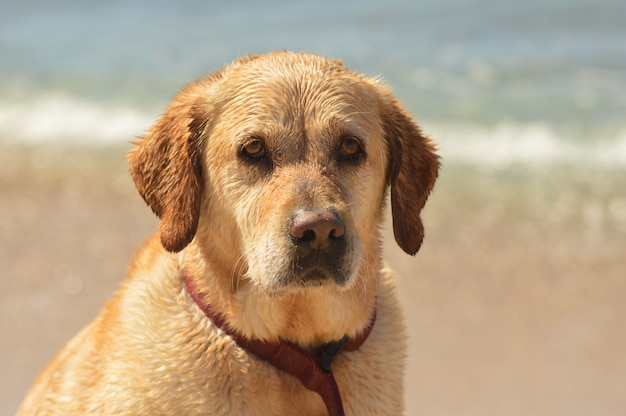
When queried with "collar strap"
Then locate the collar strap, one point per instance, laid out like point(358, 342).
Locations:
point(313, 371)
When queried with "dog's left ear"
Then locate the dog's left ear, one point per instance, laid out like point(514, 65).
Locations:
point(412, 171)
point(166, 168)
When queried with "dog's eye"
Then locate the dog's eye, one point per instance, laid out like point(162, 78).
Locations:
point(350, 148)
point(253, 149)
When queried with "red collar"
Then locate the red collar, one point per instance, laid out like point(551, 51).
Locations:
point(313, 371)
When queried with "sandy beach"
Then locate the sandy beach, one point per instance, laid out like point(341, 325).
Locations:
point(516, 304)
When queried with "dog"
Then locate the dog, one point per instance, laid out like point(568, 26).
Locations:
point(270, 179)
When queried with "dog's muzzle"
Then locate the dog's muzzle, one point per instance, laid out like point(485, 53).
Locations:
point(320, 245)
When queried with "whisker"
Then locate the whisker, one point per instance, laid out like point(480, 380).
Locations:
point(236, 273)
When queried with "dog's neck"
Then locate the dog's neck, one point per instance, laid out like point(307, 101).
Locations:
point(312, 370)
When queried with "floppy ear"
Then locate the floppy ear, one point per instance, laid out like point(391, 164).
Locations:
point(166, 163)
point(166, 168)
point(413, 168)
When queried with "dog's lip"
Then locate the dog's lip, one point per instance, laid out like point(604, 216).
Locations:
point(314, 274)
point(318, 275)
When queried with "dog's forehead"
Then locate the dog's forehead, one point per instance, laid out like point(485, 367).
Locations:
point(299, 94)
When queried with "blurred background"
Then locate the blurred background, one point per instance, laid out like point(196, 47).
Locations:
point(516, 303)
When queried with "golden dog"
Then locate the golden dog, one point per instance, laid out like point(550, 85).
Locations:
point(270, 179)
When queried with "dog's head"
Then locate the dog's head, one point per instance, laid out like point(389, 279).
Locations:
point(281, 164)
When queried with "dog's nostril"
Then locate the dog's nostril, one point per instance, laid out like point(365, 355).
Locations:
point(309, 235)
point(337, 232)
point(316, 226)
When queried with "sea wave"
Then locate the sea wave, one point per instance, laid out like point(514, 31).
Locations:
point(61, 119)
point(510, 143)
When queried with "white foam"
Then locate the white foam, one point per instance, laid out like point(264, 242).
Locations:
point(61, 118)
point(531, 144)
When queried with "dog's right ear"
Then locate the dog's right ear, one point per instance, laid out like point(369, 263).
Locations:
point(166, 168)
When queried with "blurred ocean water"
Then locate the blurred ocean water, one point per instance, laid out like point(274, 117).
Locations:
point(495, 83)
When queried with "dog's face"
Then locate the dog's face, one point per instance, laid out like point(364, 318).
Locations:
point(301, 168)
point(284, 160)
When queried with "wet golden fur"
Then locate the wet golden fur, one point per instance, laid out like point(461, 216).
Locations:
point(223, 219)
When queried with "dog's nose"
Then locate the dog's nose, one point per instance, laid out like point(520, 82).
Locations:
point(316, 227)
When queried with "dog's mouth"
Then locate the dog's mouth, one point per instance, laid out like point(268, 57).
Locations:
point(318, 276)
